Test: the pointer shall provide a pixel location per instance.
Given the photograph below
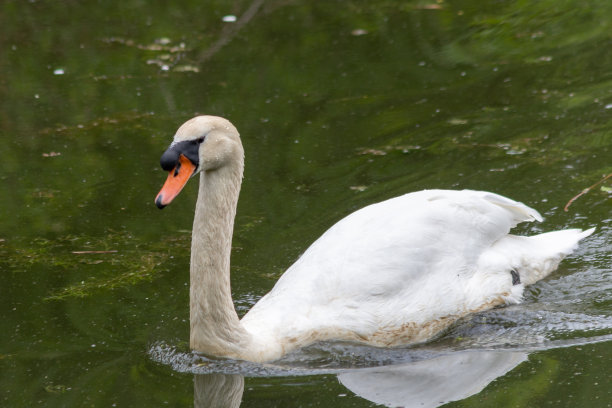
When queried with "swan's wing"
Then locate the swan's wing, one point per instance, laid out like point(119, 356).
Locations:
point(404, 238)
point(392, 257)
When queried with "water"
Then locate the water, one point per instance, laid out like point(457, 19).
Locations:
point(340, 104)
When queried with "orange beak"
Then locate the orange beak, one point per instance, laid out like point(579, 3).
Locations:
point(177, 178)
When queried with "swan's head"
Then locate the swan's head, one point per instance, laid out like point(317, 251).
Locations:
point(204, 143)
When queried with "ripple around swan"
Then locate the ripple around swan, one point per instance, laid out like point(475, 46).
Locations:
point(498, 330)
point(334, 358)
point(564, 311)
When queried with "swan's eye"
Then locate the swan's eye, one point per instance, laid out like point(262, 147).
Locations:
point(200, 140)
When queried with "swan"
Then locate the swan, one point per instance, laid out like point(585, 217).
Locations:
point(393, 273)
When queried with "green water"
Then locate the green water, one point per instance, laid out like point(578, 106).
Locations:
point(339, 104)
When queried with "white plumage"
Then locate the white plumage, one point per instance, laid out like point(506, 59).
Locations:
point(399, 271)
point(393, 273)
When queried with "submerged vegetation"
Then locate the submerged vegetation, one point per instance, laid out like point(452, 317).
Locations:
point(93, 260)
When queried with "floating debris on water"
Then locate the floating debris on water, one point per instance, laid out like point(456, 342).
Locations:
point(158, 45)
point(457, 121)
point(56, 389)
point(373, 152)
point(386, 149)
point(186, 68)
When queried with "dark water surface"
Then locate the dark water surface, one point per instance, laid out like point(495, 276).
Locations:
point(340, 104)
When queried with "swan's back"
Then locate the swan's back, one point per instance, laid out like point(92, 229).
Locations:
point(401, 270)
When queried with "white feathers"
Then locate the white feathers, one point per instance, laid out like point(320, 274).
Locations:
point(401, 270)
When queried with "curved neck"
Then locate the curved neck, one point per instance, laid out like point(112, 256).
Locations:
point(215, 327)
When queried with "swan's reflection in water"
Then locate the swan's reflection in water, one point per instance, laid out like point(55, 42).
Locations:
point(425, 383)
point(217, 390)
point(431, 383)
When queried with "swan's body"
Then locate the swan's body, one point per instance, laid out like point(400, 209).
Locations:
point(393, 273)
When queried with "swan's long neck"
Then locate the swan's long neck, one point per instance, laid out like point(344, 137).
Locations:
point(215, 327)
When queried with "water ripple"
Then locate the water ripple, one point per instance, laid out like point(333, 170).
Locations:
point(568, 310)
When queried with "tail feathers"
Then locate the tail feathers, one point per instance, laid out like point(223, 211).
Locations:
point(564, 241)
point(533, 258)
point(543, 252)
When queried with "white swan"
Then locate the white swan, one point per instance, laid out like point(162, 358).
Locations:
point(392, 273)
